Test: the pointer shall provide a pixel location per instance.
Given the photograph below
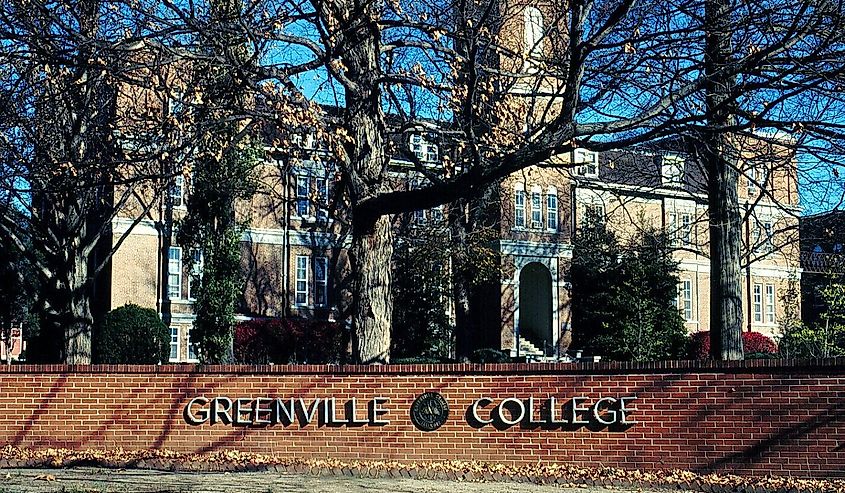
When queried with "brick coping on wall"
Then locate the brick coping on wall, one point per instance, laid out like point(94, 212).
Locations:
point(792, 365)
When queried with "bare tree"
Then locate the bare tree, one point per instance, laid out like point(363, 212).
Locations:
point(71, 156)
point(513, 85)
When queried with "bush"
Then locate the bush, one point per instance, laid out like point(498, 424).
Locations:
point(131, 335)
point(755, 344)
point(624, 296)
point(420, 360)
point(282, 341)
point(489, 355)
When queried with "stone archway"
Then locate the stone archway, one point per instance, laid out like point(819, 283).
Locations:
point(535, 305)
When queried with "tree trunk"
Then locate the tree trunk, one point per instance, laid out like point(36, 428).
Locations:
point(68, 312)
point(721, 157)
point(358, 41)
point(461, 286)
point(725, 280)
point(372, 300)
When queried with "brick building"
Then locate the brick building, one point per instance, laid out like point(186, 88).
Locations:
point(294, 250)
point(631, 190)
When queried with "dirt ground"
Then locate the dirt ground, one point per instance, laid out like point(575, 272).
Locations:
point(97, 480)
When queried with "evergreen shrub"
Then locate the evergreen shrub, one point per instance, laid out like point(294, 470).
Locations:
point(131, 334)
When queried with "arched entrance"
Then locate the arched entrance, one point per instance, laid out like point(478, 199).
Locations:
point(535, 305)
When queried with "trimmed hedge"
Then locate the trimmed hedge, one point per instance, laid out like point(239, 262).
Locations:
point(282, 341)
point(755, 344)
point(131, 335)
point(489, 355)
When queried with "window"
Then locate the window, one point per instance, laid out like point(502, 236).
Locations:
point(192, 348)
point(755, 179)
point(551, 211)
point(174, 343)
point(177, 191)
point(680, 228)
point(303, 186)
point(437, 214)
point(588, 162)
point(686, 300)
point(321, 281)
point(536, 211)
point(770, 303)
point(519, 209)
point(322, 199)
point(593, 213)
point(419, 216)
point(533, 32)
point(762, 234)
point(416, 145)
point(174, 273)
point(196, 273)
point(301, 293)
point(757, 303)
point(768, 245)
point(423, 149)
point(673, 170)
point(175, 103)
point(431, 153)
point(686, 229)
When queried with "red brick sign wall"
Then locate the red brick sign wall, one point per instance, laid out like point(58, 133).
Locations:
point(753, 418)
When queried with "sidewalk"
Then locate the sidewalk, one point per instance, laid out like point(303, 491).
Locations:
point(99, 480)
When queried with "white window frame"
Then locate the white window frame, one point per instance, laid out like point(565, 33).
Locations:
point(757, 303)
point(587, 161)
point(301, 281)
point(551, 210)
point(303, 195)
point(533, 32)
point(177, 192)
point(594, 207)
point(190, 347)
point(437, 214)
point(322, 184)
point(519, 208)
point(768, 238)
point(536, 209)
point(321, 283)
point(673, 169)
point(686, 228)
point(754, 176)
point(174, 268)
point(686, 301)
point(769, 316)
point(196, 271)
point(672, 229)
point(762, 236)
point(415, 141)
point(419, 216)
point(423, 149)
point(175, 344)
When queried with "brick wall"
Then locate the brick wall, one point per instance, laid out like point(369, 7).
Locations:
point(757, 417)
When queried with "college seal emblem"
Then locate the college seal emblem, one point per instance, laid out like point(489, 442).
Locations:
point(429, 411)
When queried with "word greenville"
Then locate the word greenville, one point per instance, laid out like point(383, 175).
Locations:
point(260, 411)
point(551, 411)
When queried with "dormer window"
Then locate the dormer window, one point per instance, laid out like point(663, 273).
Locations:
point(673, 170)
point(423, 149)
point(587, 161)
